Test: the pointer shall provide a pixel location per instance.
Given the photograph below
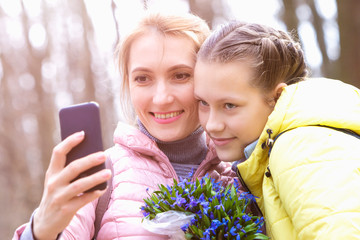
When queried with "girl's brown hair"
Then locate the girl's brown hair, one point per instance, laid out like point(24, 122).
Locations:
point(182, 25)
point(275, 56)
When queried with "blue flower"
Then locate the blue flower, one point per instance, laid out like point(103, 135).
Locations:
point(246, 217)
point(191, 173)
point(233, 231)
point(207, 233)
point(193, 221)
point(203, 201)
point(247, 196)
point(215, 224)
point(218, 210)
point(225, 221)
point(220, 206)
point(185, 227)
point(192, 203)
point(179, 200)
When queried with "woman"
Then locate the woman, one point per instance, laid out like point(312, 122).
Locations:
point(297, 139)
point(157, 60)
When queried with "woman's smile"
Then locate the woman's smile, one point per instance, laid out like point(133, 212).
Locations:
point(166, 117)
point(161, 85)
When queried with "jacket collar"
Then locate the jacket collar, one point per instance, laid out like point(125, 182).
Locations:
point(131, 137)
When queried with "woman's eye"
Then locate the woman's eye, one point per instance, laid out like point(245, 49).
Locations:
point(181, 76)
point(230, 106)
point(141, 79)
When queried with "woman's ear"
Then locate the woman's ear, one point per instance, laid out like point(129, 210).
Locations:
point(278, 90)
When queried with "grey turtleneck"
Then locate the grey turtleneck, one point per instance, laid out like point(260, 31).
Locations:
point(185, 154)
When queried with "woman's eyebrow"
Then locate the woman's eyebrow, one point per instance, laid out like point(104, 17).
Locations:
point(141, 69)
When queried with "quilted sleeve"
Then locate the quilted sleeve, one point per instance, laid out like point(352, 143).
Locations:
point(82, 225)
point(316, 173)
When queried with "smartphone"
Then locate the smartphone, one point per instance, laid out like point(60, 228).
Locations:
point(83, 117)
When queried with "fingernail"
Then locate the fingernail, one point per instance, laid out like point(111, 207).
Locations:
point(106, 173)
point(100, 155)
point(80, 134)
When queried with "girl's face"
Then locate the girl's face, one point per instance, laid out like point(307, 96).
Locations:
point(161, 85)
point(231, 111)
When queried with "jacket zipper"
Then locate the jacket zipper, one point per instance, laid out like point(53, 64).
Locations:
point(248, 190)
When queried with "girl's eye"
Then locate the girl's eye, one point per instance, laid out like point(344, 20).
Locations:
point(203, 103)
point(181, 76)
point(141, 79)
point(230, 106)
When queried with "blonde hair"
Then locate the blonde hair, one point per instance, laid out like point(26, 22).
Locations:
point(274, 55)
point(181, 25)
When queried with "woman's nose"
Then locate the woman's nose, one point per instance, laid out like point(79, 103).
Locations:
point(163, 94)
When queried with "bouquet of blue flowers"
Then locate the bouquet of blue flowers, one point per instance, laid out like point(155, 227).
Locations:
point(203, 209)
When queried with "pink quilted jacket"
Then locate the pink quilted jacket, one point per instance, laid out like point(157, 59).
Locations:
point(138, 165)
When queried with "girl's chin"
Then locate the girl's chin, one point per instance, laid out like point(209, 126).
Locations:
point(227, 157)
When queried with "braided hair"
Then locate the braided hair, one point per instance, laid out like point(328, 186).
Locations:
point(273, 54)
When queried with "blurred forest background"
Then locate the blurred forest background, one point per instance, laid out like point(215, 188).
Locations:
point(54, 53)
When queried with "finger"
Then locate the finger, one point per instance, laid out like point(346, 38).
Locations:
point(75, 168)
point(80, 201)
point(58, 157)
point(79, 186)
point(50, 223)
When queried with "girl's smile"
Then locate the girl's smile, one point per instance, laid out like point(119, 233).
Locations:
point(222, 141)
point(229, 106)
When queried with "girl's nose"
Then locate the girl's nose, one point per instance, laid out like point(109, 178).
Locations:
point(214, 123)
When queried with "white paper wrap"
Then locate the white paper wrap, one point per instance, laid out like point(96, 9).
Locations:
point(168, 223)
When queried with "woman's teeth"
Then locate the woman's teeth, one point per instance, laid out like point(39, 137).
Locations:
point(167, 115)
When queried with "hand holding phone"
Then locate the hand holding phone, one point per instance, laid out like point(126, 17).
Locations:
point(83, 117)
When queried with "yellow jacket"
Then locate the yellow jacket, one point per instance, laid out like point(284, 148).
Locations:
point(309, 187)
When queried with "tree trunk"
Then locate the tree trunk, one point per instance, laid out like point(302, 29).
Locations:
point(289, 17)
point(349, 27)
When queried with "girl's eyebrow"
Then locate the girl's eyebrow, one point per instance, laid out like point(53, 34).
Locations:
point(196, 96)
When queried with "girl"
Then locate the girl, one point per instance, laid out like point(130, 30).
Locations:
point(296, 140)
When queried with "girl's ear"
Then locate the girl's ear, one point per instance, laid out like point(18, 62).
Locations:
point(278, 90)
point(275, 94)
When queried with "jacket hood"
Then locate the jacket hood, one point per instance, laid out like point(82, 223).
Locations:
point(317, 101)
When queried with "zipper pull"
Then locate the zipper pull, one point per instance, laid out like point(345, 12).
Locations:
point(269, 142)
point(268, 173)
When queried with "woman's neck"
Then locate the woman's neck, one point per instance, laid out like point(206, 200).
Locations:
point(190, 150)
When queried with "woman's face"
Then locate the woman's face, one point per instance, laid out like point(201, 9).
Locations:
point(161, 86)
point(231, 111)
